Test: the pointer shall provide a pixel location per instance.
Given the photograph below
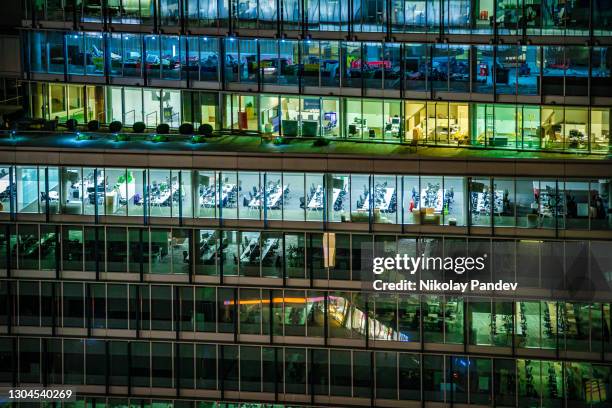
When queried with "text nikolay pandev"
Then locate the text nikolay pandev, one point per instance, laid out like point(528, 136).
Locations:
point(411, 265)
point(432, 285)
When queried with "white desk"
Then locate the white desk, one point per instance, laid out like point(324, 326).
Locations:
point(383, 204)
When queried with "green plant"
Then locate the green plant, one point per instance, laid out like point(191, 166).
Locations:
point(115, 127)
point(71, 124)
point(93, 125)
point(121, 137)
point(197, 139)
point(159, 138)
point(320, 142)
point(186, 129)
point(205, 130)
point(121, 178)
point(139, 127)
point(163, 129)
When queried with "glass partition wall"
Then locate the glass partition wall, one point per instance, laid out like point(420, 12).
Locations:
point(321, 66)
point(420, 123)
point(547, 17)
point(581, 204)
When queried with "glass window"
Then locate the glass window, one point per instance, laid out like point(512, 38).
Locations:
point(416, 66)
point(160, 249)
point(315, 202)
point(95, 362)
point(415, 122)
point(250, 368)
point(29, 303)
point(26, 179)
point(272, 254)
point(291, 198)
point(384, 319)
point(409, 377)
point(161, 307)
point(186, 357)
point(74, 361)
point(206, 366)
point(126, 55)
point(577, 203)
point(171, 56)
point(92, 55)
point(181, 251)
point(321, 59)
point(118, 354)
point(504, 382)
point(230, 245)
point(250, 195)
point(556, 63)
point(58, 109)
point(135, 183)
point(73, 191)
point(386, 374)
point(117, 306)
point(162, 186)
point(528, 122)
point(295, 371)
point(250, 311)
point(205, 309)
point(140, 366)
point(409, 16)
point(161, 365)
point(226, 310)
point(353, 65)
point(132, 107)
point(120, 187)
point(454, 205)
point(229, 372)
point(600, 129)
point(294, 250)
point(207, 252)
point(97, 292)
point(72, 248)
point(28, 247)
point(528, 72)
point(208, 58)
point(29, 360)
point(458, 63)
point(408, 317)
point(600, 195)
point(48, 247)
point(480, 320)
point(208, 195)
point(385, 199)
point(73, 305)
point(433, 378)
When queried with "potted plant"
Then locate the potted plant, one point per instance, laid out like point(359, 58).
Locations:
point(139, 127)
point(115, 126)
point(186, 129)
point(93, 125)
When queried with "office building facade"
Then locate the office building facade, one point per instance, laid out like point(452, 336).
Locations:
point(147, 268)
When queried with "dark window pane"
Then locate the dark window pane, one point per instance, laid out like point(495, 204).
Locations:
point(95, 362)
point(74, 361)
